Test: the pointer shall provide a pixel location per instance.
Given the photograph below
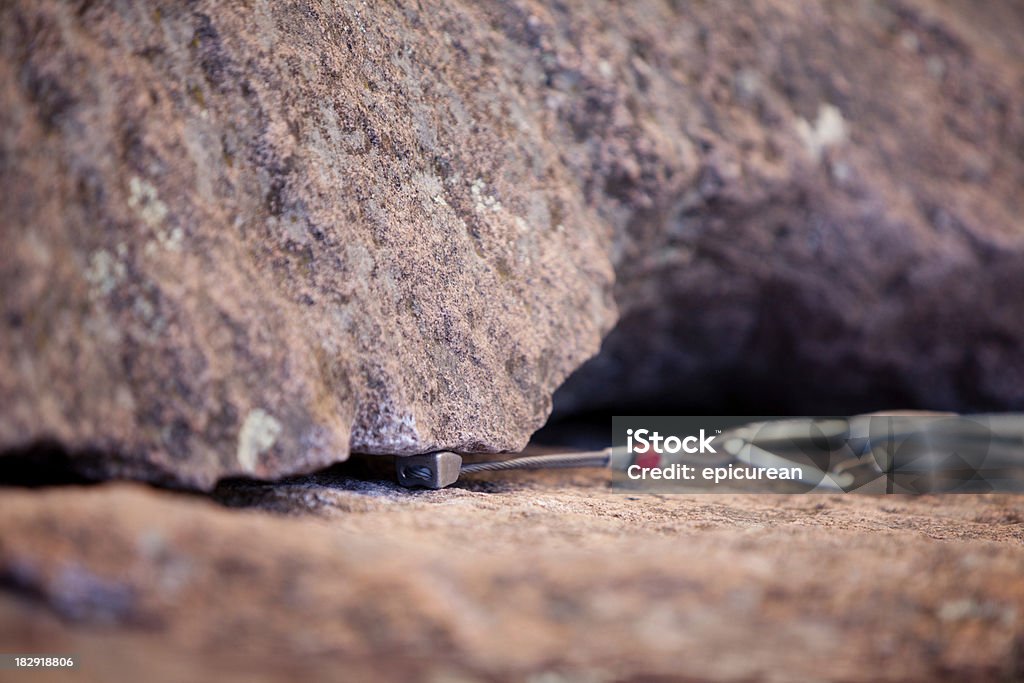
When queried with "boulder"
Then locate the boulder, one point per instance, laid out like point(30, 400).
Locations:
point(249, 240)
point(844, 233)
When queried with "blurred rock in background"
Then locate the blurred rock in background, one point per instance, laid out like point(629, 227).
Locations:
point(839, 228)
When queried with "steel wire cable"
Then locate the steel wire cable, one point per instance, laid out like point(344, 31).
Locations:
point(536, 462)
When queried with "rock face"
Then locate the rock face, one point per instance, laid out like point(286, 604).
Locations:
point(524, 577)
point(247, 240)
point(847, 234)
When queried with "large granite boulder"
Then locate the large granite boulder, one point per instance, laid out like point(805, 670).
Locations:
point(246, 240)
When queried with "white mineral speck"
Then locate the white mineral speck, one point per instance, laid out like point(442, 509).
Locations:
point(258, 434)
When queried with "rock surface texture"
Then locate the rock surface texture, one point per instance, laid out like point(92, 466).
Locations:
point(845, 230)
point(522, 577)
point(248, 238)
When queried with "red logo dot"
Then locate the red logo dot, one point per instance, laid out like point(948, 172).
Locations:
point(647, 458)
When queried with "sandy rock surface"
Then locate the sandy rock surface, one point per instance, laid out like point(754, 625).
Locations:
point(517, 576)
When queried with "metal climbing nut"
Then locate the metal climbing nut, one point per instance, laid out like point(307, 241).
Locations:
point(432, 471)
